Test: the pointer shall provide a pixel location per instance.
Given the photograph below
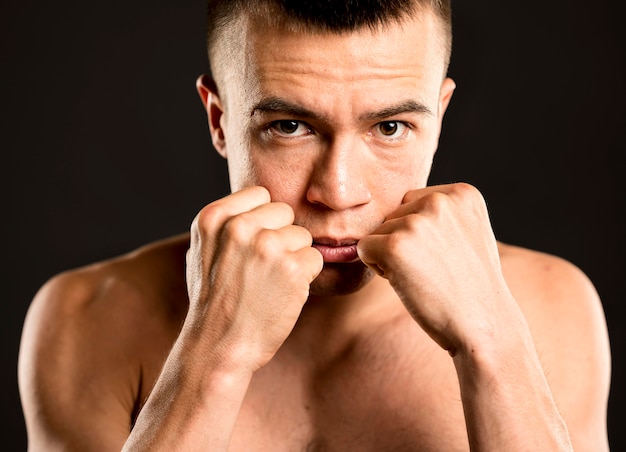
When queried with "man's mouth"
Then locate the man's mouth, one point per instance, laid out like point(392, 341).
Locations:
point(337, 251)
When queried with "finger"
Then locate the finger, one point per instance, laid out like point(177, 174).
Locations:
point(458, 190)
point(213, 216)
point(310, 261)
point(403, 211)
point(372, 251)
point(414, 195)
point(418, 200)
point(242, 201)
point(407, 222)
point(278, 241)
point(431, 199)
point(274, 215)
point(295, 237)
point(257, 226)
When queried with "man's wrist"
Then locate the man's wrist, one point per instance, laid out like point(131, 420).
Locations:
point(503, 340)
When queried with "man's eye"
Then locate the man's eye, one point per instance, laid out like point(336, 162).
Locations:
point(290, 128)
point(393, 129)
point(388, 128)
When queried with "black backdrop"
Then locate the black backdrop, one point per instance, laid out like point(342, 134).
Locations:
point(108, 147)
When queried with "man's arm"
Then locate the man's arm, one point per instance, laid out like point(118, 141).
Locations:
point(81, 375)
point(439, 253)
point(506, 398)
point(248, 275)
point(77, 386)
point(572, 351)
point(567, 323)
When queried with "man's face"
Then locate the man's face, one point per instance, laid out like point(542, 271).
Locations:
point(339, 127)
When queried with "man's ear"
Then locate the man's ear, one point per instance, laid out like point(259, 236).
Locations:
point(207, 89)
point(445, 95)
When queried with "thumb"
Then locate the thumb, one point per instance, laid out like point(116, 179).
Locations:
point(312, 261)
point(370, 252)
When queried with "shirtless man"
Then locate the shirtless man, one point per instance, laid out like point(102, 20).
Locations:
point(333, 301)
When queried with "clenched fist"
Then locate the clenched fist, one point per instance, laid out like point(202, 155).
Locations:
point(440, 255)
point(248, 274)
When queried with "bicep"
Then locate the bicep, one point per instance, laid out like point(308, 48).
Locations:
point(76, 395)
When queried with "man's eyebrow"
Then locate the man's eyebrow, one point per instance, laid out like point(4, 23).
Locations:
point(408, 106)
point(278, 105)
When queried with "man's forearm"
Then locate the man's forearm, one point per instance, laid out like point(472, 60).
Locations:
point(506, 398)
point(194, 404)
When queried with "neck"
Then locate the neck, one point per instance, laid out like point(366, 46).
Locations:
point(329, 324)
point(357, 306)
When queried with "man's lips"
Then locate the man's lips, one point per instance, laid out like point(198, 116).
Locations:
point(337, 251)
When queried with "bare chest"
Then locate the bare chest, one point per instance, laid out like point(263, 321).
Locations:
point(378, 401)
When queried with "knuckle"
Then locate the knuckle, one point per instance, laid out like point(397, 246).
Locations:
point(284, 212)
point(266, 243)
point(463, 190)
point(208, 218)
point(238, 228)
point(471, 196)
point(260, 191)
point(464, 186)
point(436, 201)
point(304, 234)
point(413, 223)
point(291, 267)
point(283, 207)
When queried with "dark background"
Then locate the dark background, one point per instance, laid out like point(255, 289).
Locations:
point(108, 147)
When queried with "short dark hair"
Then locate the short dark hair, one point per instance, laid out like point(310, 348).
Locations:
point(326, 15)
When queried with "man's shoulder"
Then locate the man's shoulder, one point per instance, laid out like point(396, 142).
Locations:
point(147, 275)
point(122, 300)
point(549, 289)
point(95, 332)
point(560, 303)
point(544, 278)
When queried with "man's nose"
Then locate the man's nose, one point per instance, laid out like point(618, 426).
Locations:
point(340, 177)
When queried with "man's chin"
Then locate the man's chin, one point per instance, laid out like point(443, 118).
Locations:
point(341, 279)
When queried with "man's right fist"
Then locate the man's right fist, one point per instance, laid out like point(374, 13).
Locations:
point(248, 274)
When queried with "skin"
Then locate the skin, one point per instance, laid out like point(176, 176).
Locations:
point(333, 301)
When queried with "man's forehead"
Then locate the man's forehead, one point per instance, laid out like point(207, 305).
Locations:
point(334, 74)
point(252, 35)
